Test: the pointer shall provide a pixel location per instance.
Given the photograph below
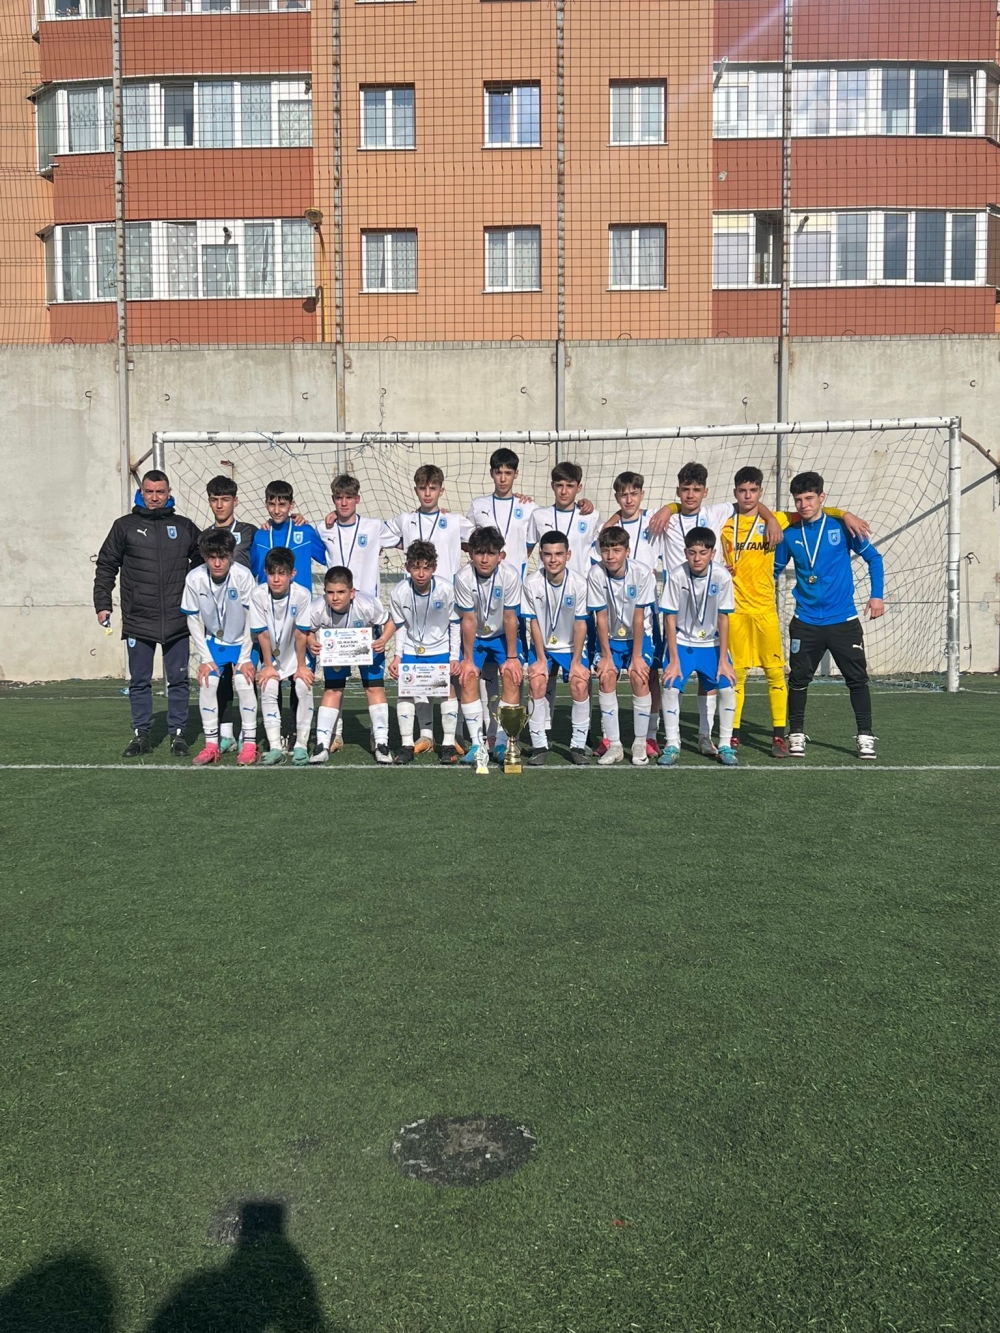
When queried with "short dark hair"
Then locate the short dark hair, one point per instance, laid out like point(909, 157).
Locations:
point(749, 474)
point(217, 541)
point(553, 538)
point(421, 553)
point(279, 560)
point(693, 474)
point(154, 474)
point(279, 490)
point(221, 485)
point(567, 472)
point(344, 484)
point(428, 474)
point(338, 574)
point(624, 479)
point(806, 482)
point(700, 537)
point(504, 458)
point(485, 539)
point(613, 537)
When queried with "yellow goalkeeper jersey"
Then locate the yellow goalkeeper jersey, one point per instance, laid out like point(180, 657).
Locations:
point(744, 549)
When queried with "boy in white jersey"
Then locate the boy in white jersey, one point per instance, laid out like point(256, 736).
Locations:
point(216, 601)
point(342, 607)
point(554, 605)
point(505, 510)
point(422, 608)
point(278, 608)
point(621, 594)
point(579, 523)
point(354, 543)
point(488, 598)
point(697, 602)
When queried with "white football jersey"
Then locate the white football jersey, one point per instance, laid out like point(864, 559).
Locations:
point(358, 547)
point(636, 587)
point(446, 531)
point(281, 616)
point(556, 606)
point(581, 529)
point(223, 607)
point(363, 611)
point(512, 517)
point(642, 547)
point(697, 603)
point(489, 598)
point(672, 541)
point(423, 620)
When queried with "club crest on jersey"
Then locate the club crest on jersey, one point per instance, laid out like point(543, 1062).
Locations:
point(363, 539)
point(296, 538)
point(442, 522)
point(645, 534)
point(569, 599)
point(713, 589)
point(172, 532)
point(233, 594)
point(498, 592)
point(437, 604)
point(237, 537)
point(582, 525)
point(519, 512)
point(834, 535)
point(630, 591)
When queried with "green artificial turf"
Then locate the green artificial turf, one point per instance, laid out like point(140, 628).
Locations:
point(751, 1017)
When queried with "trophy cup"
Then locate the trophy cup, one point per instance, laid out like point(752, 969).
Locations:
point(512, 717)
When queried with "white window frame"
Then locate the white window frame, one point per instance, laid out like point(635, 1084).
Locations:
point(390, 234)
point(634, 285)
point(208, 231)
point(46, 9)
point(390, 89)
point(634, 118)
point(509, 233)
point(512, 86)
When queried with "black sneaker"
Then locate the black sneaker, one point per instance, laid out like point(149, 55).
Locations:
point(539, 758)
point(139, 744)
point(179, 746)
point(404, 755)
point(448, 754)
point(578, 757)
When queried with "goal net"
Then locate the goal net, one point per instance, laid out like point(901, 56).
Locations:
point(899, 475)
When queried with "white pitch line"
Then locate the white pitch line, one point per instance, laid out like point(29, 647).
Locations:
point(562, 768)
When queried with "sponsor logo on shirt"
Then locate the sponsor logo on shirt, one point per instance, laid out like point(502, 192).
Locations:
point(834, 535)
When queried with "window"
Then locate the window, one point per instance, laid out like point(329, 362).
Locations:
point(219, 269)
point(731, 252)
point(76, 263)
point(637, 257)
point(929, 100)
point(86, 120)
point(852, 98)
point(811, 249)
point(107, 266)
point(178, 115)
point(894, 246)
point(47, 113)
point(255, 114)
point(216, 115)
point(731, 105)
point(852, 247)
point(811, 101)
point(513, 259)
point(182, 258)
point(388, 118)
point(638, 113)
point(135, 116)
point(389, 261)
point(767, 249)
point(960, 103)
point(139, 260)
point(928, 246)
point(513, 117)
point(294, 123)
point(259, 246)
point(963, 247)
point(297, 258)
point(895, 101)
point(992, 107)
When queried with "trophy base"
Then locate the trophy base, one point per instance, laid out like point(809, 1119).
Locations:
point(512, 765)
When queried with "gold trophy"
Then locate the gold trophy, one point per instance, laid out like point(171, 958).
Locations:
point(513, 718)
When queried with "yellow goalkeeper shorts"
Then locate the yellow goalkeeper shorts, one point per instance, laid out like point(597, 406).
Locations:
point(755, 640)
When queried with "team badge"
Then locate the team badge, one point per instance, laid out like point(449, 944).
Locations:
point(795, 645)
point(237, 537)
point(630, 591)
point(519, 513)
point(233, 594)
point(582, 525)
point(498, 592)
point(713, 589)
point(442, 522)
point(645, 534)
point(568, 600)
point(172, 532)
point(437, 604)
point(363, 539)
point(296, 538)
point(131, 643)
point(834, 535)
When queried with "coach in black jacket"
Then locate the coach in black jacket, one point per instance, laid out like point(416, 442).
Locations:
point(153, 547)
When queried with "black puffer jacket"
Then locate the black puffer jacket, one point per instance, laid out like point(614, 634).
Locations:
point(153, 549)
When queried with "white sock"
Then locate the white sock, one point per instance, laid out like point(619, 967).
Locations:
point(208, 703)
point(727, 698)
point(247, 696)
point(326, 724)
point(226, 728)
point(303, 714)
point(654, 721)
point(550, 698)
point(581, 723)
point(609, 717)
point(425, 719)
point(404, 717)
point(340, 726)
point(672, 716)
point(641, 705)
point(272, 714)
point(538, 721)
point(473, 714)
point(449, 720)
point(706, 714)
point(379, 714)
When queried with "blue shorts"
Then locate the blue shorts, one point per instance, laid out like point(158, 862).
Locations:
point(492, 650)
point(703, 661)
point(621, 652)
point(336, 677)
point(223, 654)
point(562, 661)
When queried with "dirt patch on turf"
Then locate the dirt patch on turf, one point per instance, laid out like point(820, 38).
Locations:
point(249, 1219)
point(462, 1150)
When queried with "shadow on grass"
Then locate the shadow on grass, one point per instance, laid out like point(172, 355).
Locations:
point(264, 1285)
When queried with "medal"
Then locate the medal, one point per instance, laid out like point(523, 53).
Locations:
point(702, 610)
point(622, 632)
point(421, 650)
point(486, 630)
point(553, 639)
point(702, 634)
point(811, 579)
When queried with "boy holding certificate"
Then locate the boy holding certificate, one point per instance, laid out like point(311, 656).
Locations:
point(347, 627)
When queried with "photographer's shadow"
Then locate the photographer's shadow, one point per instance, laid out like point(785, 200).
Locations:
point(70, 1294)
point(265, 1285)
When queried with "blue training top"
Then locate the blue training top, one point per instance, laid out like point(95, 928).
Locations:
point(303, 541)
point(823, 553)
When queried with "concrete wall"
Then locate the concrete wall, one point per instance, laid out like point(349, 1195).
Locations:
point(59, 454)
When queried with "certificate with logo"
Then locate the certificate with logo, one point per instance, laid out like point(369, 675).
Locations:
point(345, 647)
point(432, 679)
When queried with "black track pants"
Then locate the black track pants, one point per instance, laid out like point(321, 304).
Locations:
point(846, 645)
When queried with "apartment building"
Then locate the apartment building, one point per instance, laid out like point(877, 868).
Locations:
point(507, 169)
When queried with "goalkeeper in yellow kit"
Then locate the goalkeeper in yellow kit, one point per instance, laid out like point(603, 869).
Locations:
point(754, 628)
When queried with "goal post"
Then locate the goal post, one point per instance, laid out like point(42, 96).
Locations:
point(904, 475)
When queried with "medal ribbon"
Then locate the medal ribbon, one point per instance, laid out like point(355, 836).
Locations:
point(510, 514)
point(422, 627)
point(340, 541)
point(420, 523)
point(811, 555)
point(552, 615)
point(220, 605)
point(277, 635)
point(737, 548)
point(484, 612)
point(618, 610)
point(694, 596)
